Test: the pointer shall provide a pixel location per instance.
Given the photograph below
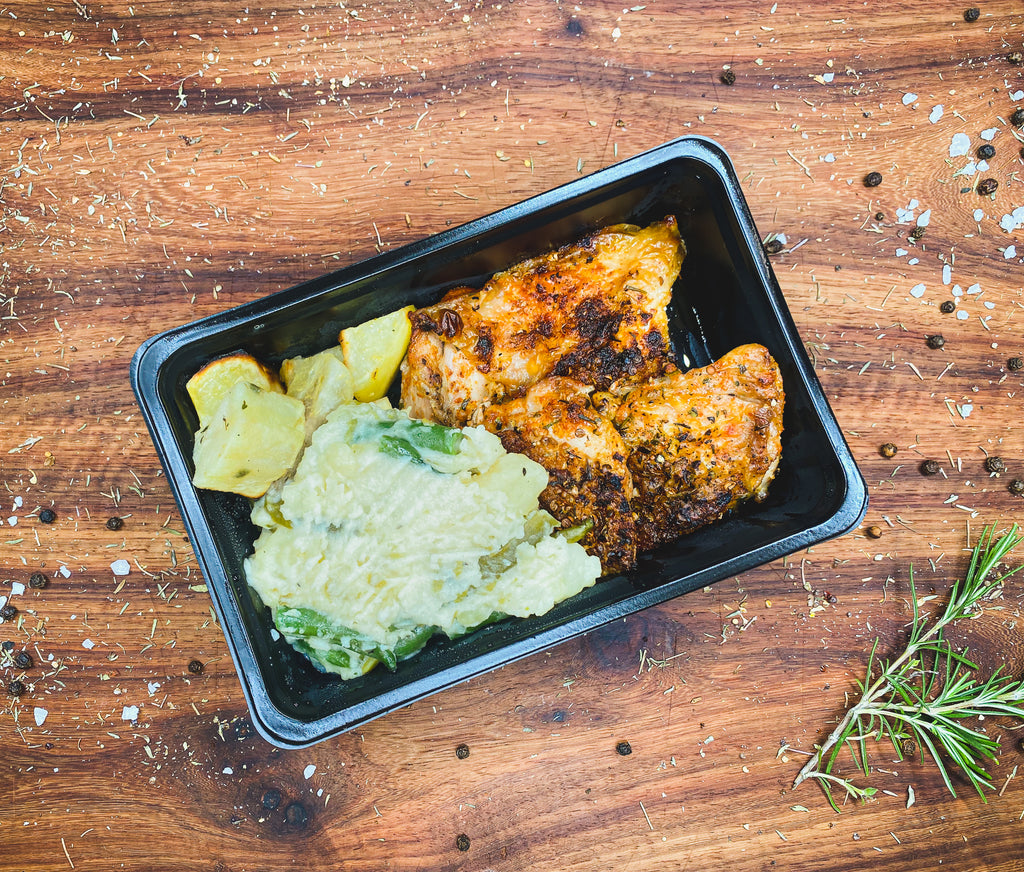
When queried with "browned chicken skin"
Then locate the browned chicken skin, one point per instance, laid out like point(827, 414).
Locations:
point(567, 358)
point(702, 441)
point(593, 311)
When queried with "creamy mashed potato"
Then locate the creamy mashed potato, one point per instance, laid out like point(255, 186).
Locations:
point(390, 530)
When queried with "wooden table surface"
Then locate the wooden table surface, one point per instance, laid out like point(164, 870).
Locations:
point(164, 161)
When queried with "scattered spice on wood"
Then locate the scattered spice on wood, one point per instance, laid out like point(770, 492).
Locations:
point(1015, 363)
point(195, 666)
point(462, 751)
point(888, 449)
point(987, 186)
point(995, 464)
point(874, 532)
point(930, 467)
point(1016, 487)
point(872, 180)
point(38, 581)
point(462, 842)
point(115, 523)
point(936, 340)
point(971, 15)
point(23, 660)
point(16, 688)
point(774, 246)
point(47, 516)
point(623, 749)
point(986, 151)
point(947, 307)
point(728, 77)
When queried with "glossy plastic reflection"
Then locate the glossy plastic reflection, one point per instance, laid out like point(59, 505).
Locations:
point(726, 295)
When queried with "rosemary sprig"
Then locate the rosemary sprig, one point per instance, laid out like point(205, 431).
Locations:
point(924, 696)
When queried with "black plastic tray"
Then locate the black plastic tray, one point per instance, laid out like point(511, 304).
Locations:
point(726, 295)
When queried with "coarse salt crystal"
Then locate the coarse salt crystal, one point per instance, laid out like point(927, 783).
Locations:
point(989, 134)
point(914, 261)
point(307, 773)
point(974, 289)
point(979, 214)
point(829, 158)
point(957, 291)
point(936, 113)
point(917, 291)
point(828, 77)
point(13, 520)
point(120, 567)
point(65, 572)
point(947, 274)
point(18, 502)
point(1013, 220)
point(962, 315)
point(130, 713)
point(909, 98)
point(17, 588)
point(988, 304)
point(959, 145)
point(88, 644)
point(40, 715)
point(1009, 251)
point(153, 687)
point(1017, 95)
point(901, 252)
point(924, 218)
point(227, 770)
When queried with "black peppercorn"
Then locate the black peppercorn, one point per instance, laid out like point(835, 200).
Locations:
point(728, 77)
point(23, 660)
point(195, 666)
point(1015, 363)
point(16, 688)
point(47, 516)
point(462, 842)
point(462, 751)
point(1016, 487)
point(7, 645)
point(971, 15)
point(114, 523)
point(1017, 118)
point(38, 580)
point(624, 749)
point(947, 307)
point(930, 467)
point(879, 216)
point(271, 798)
point(872, 180)
point(986, 151)
point(987, 186)
point(774, 246)
point(1016, 58)
point(917, 233)
point(296, 814)
point(8, 612)
point(936, 340)
point(995, 464)
point(887, 449)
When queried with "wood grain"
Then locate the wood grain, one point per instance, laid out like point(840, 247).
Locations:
point(165, 161)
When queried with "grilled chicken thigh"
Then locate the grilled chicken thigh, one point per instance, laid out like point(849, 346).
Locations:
point(702, 441)
point(593, 311)
point(567, 358)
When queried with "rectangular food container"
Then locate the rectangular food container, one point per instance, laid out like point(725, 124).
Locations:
point(725, 296)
